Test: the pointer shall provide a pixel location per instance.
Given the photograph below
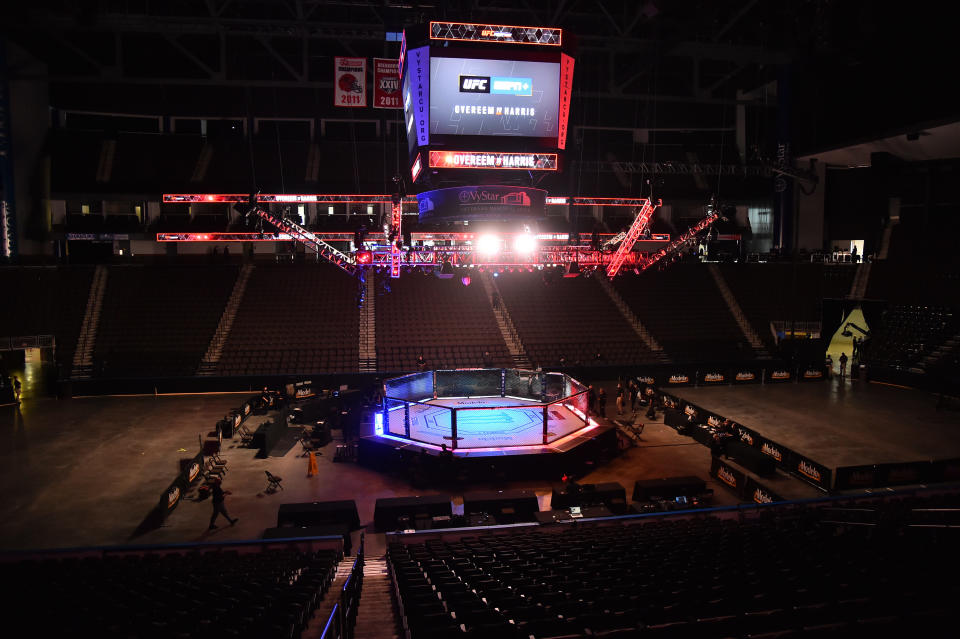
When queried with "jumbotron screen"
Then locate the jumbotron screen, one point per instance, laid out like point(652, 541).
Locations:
point(470, 96)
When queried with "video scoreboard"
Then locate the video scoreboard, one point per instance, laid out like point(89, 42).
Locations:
point(482, 96)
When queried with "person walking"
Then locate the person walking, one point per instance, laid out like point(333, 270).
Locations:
point(843, 365)
point(219, 508)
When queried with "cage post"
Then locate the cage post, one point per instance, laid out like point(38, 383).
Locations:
point(545, 425)
point(406, 419)
point(503, 382)
point(453, 428)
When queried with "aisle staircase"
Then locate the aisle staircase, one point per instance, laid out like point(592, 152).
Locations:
point(633, 320)
point(505, 323)
point(377, 614)
point(368, 326)
point(83, 356)
point(752, 337)
point(859, 286)
point(208, 365)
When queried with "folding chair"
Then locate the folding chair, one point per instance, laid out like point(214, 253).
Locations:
point(274, 482)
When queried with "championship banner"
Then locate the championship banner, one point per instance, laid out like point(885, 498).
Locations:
point(386, 84)
point(350, 82)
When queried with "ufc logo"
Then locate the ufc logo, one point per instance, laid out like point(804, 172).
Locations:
point(474, 84)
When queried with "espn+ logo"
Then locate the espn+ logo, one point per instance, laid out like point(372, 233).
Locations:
point(474, 84)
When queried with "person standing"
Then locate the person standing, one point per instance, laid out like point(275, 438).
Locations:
point(219, 507)
point(602, 402)
point(619, 399)
point(591, 400)
point(843, 365)
point(16, 389)
point(633, 389)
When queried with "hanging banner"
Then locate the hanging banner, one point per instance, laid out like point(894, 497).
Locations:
point(350, 82)
point(386, 84)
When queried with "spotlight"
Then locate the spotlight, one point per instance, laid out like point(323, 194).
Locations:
point(488, 244)
point(525, 244)
point(364, 257)
point(465, 280)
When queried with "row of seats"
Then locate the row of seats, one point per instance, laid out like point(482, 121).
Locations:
point(569, 320)
point(790, 571)
point(226, 593)
point(158, 320)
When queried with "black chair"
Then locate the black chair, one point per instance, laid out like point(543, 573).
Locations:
point(274, 482)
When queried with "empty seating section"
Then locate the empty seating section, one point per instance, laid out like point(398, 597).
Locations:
point(766, 292)
point(908, 333)
point(684, 311)
point(785, 572)
point(158, 320)
point(225, 593)
point(294, 319)
point(45, 301)
point(913, 283)
point(450, 324)
point(573, 318)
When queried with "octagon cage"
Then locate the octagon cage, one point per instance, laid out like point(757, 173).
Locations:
point(486, 408)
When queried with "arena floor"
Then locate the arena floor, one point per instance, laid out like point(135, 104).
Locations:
point(87, 471)
point(840, 423)
point(489, 427)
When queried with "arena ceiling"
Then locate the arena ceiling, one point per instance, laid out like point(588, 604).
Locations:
point(641, 63)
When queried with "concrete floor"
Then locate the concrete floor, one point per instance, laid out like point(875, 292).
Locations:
point(840, 423)
point(87, 471)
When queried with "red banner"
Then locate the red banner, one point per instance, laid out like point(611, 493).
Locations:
point(350, 82)
point(566, 90)
point(386, 84)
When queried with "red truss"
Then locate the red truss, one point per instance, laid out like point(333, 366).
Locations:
point(636, 229)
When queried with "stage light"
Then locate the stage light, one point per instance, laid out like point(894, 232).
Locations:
point(495, 274)
point(364, 257)
point(525, 244)
point(488, 244)
point(465, 280)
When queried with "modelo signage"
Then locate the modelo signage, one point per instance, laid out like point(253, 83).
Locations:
point(503, 203)
point(779, 375)
point(811, 374)
point(812, 472)
point(713, 377)
point(728, 475)
point(759, 493)
point(678, 379)
point(745, 377)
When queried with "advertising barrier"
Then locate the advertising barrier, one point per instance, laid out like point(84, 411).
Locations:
point(171, 496)
point(758, 493)
point(679, 378)
point(778, 375)
point(810, 471)
point(728, 476)
point(713, 376)
point(746, 376)
point(811, 374)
